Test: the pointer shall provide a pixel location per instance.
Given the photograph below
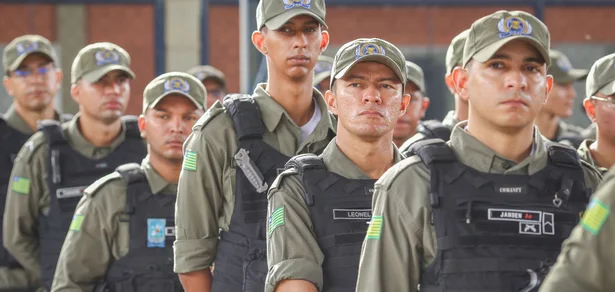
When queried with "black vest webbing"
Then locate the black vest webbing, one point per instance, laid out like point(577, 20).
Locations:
point(499, 232)
point(241, 263)
point(148, 266)
point(68, 174)
point(340, 209)
point(434, 129)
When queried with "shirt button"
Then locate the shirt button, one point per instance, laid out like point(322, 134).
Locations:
point(506, 165)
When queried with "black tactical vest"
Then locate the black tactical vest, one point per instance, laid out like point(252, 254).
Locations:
point(241, 262)
point(341, 210)
point(499, 232)
point(148, 266)
point(434, 129)
point(68, 174)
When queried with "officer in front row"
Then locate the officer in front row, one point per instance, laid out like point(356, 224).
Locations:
point(488, 210)
point(60, 161)
point(127, 218)
point(320, 206)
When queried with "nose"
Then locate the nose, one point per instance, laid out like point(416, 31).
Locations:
point(177, 125)
point(372, 95)
point(516, 80)
point(300, 41)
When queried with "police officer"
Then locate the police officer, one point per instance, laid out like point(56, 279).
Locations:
point(434, 129)
point(213, 80)
point(320, 207)
point(57, 163)
point(488, 210)
point(599, 105)
point(560, 103)
point(587, 257)
point(408, 124)
point(33, 80)
point(322, 73)
point(239, 147)
point(126, 218)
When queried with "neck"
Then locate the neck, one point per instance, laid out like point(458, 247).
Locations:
point(31, 118)
point(461, 109)
point(512, 145)
point(97, 133)
point(294, 96)
point(372, 157)
point(168, 169)
point(547, 124)
point(603, 152)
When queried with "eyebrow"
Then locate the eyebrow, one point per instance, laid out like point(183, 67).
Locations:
point(39, 65)
point(309, 22)
point(507, 57)
point(391, 78)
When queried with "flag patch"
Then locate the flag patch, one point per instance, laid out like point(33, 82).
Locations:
point(190, 160)
point(594, 217)
point(75, 225)
point(21, 185)
point(276, 219)
point(375, 228)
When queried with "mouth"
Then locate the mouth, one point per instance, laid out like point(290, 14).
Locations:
point(371, 113)
point(175, 143)
point(113, 105)
point(515, 102)
point(299, 60)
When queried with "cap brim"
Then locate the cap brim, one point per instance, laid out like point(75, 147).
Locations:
point(214, 77)
point(382, 59)
point(321, 76)
point(487, 52)
point(608, 89)
point(417, 83)
point(22, 57)
point(188, 96)
point(98, 73)
point(279, 20)
point(572, 76)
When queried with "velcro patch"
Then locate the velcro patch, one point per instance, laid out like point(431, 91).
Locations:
point(352, 214)
point(190, 160)
point(276, 219)
point(21, 185)
point(594, 217)
point(375, 228)
point(75, 225)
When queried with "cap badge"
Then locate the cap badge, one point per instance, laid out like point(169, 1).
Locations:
point(104, 57)
point(512, 26)
point(176, 84)
point(26, 47)
point(296, 3)
point(368, 49)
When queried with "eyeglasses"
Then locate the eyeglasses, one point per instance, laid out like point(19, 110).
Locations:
point(610, 102)
point(23, 73)
point(216, 92)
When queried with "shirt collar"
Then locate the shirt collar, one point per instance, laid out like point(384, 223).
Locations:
point(156, 182)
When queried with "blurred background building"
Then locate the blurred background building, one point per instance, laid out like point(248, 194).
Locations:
point(165, 35)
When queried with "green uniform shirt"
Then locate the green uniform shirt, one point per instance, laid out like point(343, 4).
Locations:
point(206, 192)
point(29, 197)
point(587, 259)
point(18, 278)
point(292, 249)
point(586, 155)
point(406, 244)
point(97, 230)
point(449, 121)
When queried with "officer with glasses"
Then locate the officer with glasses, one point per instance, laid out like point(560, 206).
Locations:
point(33, 80)
point(213, 80)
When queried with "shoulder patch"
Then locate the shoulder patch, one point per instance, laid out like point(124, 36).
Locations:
point(92, 189)
point(211, 113)
point(31, 147)
point(594, 217)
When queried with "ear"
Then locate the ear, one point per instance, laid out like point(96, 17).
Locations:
point(258, 40)
point(324, 43)
point(549, 87)
point(405, 101)
point(448, 79)
point(460, 82)
point(590, 108)
point(331, 104)
point(75, 91)
point(59, 77)
point(8, 85)
point(141, 123)
point(424, 106)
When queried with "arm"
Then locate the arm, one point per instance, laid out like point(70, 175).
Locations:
point(293, 255)
point(89, 234)
point(588, 258)
point(197, 281)
point(25, 191)
point(200, 197)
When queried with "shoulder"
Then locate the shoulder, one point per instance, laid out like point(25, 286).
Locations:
point(411, 169)
point(32, 148)
point(215, 126)
point(106, 184)
point(288, 181)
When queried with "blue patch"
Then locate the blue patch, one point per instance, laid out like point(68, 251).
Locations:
point(104, 57)
point(368, 49)
point(156, 232)
point(512, 26)
point(297, 3)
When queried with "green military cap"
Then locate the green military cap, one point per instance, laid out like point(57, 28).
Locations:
point(561, 69)
point(207, 71)
point(18, 49)
point(274, 13)
point(322, 70)
point(416, 75)
point(454, 54)
point(96, 60)
point(488, 34)
point(174, 83)
point(601, 77)
point(368, 50)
